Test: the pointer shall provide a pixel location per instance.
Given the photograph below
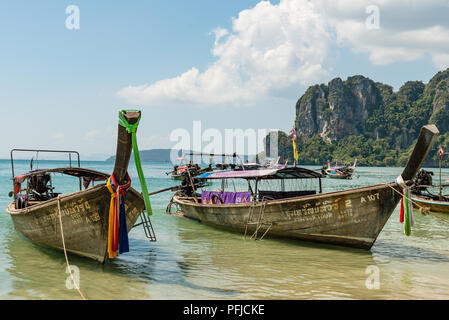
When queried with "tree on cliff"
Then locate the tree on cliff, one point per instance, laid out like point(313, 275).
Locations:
point(360, 118)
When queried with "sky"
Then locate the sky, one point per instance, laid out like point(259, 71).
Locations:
point(227, 63)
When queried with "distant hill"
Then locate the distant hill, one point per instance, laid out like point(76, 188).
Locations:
point(153, 155)
point(363, 119)
point(163, 155)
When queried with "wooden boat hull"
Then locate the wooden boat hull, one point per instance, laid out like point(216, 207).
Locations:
point(431, 205)
point(352, 218)
point(333, 176)
point(85, 219)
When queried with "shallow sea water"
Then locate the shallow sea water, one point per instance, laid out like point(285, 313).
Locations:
point(194, 261)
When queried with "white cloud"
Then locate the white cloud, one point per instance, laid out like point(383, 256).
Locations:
point(156, 142)
point(408, 29)
point(276, 47)
point(441, 60)
point(93, 134)
point(270, 47)
point(100, 133)
point(219, 33)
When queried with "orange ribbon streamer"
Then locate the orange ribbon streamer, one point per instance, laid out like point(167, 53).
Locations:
point(112, 253)
point(114, 213)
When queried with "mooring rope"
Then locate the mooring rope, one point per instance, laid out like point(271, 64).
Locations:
point(65, 251)
point(423, 210)
point(442, 219)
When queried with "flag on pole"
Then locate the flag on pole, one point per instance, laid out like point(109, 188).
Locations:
point(441, 152)
point(292, 134)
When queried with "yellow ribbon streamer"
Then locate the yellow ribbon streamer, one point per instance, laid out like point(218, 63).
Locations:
point(295, 152)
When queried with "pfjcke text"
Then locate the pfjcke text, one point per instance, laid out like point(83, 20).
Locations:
point(238, 310)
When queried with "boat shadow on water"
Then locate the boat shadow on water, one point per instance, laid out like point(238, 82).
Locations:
point(380, 248)
point(151, 263)
point(407, 252)
point(41, 272)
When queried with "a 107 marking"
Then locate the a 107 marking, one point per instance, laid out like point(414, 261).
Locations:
point(370, 197)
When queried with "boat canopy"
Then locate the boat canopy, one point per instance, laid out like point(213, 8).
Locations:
point(271, 173)
point(76, 172)
point(338, 167)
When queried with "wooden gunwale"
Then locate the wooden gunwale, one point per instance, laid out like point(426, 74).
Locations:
point(47, 208)
point(188, 200)
point(69, 196)
point(432, 205)
point(233, 217)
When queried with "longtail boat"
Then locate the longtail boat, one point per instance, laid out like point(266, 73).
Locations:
point(423, 197)
point(38, 210)
point(352, 217)
point(338, 172)
point(180, 170)
point(431, 203)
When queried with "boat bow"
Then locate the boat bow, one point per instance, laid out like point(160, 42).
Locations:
point(420, 151)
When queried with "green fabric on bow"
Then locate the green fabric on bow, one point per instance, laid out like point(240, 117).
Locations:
point(132, 128)
point(407, 213)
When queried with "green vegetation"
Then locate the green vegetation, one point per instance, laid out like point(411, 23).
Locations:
point(385, 137)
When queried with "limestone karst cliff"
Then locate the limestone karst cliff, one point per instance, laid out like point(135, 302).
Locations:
point(362, 118)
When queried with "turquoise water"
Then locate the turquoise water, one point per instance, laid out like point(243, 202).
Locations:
point(193, 261)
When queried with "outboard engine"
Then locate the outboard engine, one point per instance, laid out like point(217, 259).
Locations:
point(423, 178)
point(39, 186)
point(323, 170)
point(190, 173)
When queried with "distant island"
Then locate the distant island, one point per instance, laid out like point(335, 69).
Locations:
point(153, 155)
point(363, 119)
point(163, 155)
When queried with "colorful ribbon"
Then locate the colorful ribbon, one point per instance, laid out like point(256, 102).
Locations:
point(132, 128)
point(111, 251)
point(406, 216)
point(117, 231)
